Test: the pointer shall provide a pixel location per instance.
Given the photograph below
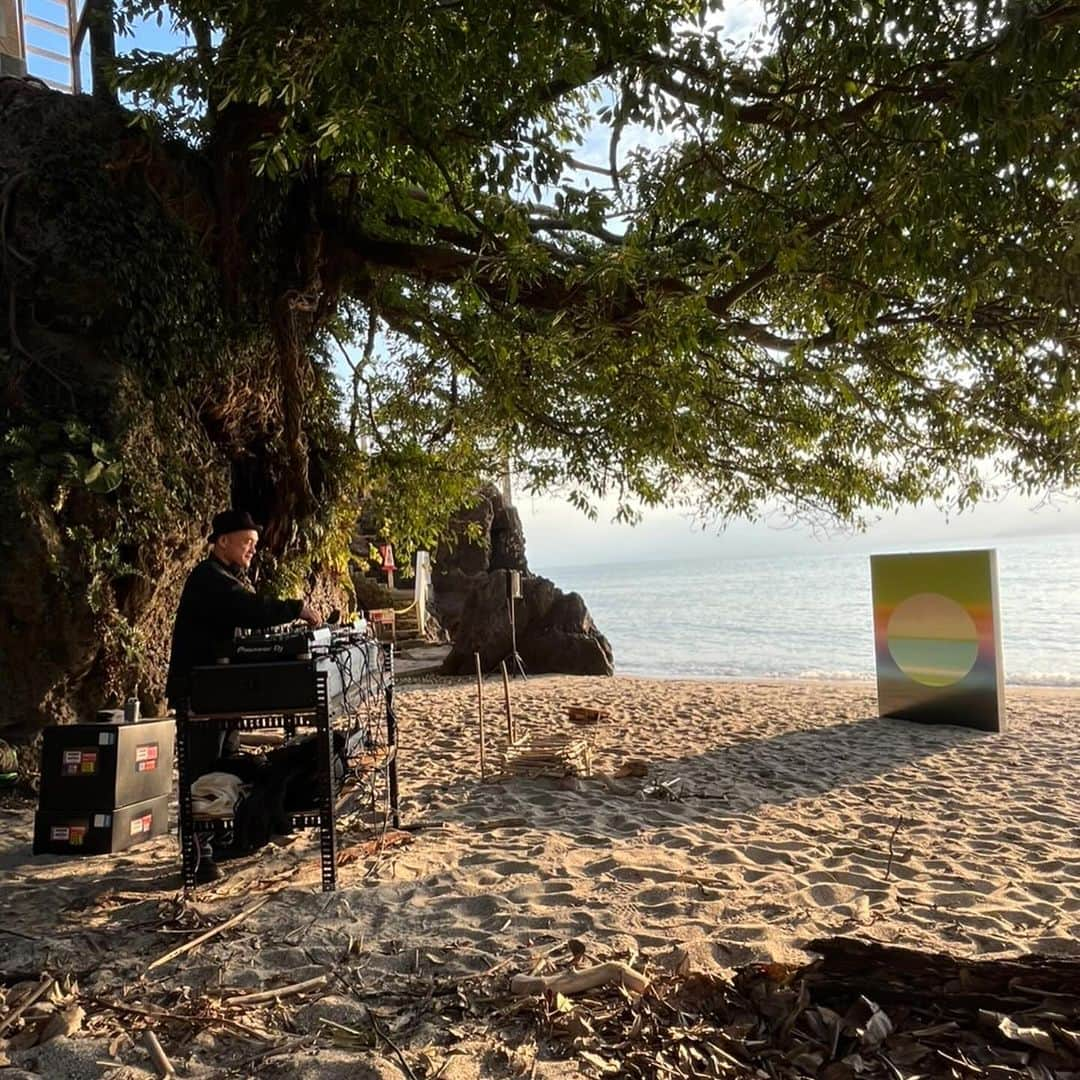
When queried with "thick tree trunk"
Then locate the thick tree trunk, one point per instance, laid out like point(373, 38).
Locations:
point(143, 386)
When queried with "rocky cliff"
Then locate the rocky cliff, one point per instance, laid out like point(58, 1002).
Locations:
point(554, 630)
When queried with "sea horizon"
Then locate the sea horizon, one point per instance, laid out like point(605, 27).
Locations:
point(808, 616)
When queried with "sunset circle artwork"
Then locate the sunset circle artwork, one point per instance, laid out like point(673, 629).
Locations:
point(946, 653)
point(937, 637)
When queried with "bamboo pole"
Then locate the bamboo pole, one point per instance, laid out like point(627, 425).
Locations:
point(511, 733)
point(164, 1066)
point(480, 709)
point(282, 991)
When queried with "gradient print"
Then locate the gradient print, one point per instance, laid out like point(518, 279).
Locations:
point(937, 638)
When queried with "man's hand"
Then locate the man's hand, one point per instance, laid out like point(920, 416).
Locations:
point(310, 616)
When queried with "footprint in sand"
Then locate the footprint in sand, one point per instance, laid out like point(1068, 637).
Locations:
point(544, 894)
point(513, 867)
point(767, 856)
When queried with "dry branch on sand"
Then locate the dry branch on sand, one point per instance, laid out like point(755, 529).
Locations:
point(862, 1010)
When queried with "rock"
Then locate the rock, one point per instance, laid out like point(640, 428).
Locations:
point(469, 552)
point(555, 632)
point(507, 540)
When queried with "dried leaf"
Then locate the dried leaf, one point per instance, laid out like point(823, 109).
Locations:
point(904, 1050)
point(809, 1061)
point(838, 1070)
point(868, 1023)
point(1070, 1038)
point(1030, 1036)
point(606, 1067)
point(65, 1022)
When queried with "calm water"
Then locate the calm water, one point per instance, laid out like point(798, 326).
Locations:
point(809, 616)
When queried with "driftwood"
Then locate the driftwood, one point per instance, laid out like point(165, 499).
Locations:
point(585, 714)
point(187, 947)
point(576, 982)
point(511, 729)
point(375, 846)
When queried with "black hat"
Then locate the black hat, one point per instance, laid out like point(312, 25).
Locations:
point(229, 521)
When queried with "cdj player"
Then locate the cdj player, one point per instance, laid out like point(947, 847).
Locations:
point(292, 641)
point(274, 644)
point(274, 670)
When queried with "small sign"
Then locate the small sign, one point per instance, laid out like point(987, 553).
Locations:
point(146, 757)
point(103, 821)
point(70, 834)
point(107, 738)
point(142, 824)
point(79, 763)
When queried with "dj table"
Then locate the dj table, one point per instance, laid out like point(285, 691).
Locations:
point(340, 674)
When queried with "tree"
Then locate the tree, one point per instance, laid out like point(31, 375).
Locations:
point(833, 265)
point(843, 274)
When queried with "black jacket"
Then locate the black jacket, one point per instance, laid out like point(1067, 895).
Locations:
point(213, 604)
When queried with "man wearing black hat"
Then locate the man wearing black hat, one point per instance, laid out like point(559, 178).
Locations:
point(217, 600)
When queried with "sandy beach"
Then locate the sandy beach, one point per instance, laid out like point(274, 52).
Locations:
point(790, 812)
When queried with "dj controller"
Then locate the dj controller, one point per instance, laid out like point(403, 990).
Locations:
point(274, 669)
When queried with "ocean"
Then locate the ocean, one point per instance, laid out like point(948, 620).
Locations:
point(809, 616)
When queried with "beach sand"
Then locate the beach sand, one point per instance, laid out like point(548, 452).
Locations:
point(798, 814)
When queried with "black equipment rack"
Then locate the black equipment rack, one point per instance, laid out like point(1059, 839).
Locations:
point(314, 712)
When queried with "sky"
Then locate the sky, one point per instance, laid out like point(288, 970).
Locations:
point(557, 534)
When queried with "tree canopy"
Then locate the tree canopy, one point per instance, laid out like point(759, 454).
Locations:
point(834, 264)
